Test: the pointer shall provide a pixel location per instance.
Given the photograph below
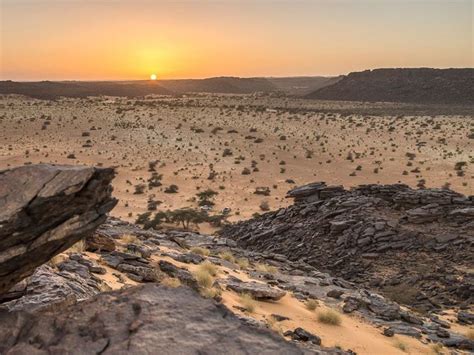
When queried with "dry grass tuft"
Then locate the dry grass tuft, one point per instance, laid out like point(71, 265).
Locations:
point(243, 263)
point(200, 251)
point(329, 317)
point(401, 345)
point(269, 269)
point(130, 239)
point(311, 304)
point(227, 255)
point(78, 247)
point(171, 282)
point(211, 292)
point(208, 267)
point(274, 325)
point(248, 303)
point(437, 349)
point(203, 278)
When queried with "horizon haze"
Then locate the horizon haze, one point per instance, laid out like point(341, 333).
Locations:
point(131, 40)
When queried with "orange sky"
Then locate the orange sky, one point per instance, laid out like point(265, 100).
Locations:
point(119, 39)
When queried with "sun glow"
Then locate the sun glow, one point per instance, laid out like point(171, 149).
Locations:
point(153, 77)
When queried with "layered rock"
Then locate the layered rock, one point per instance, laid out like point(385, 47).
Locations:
point(138, 320)
point(414, 244)
point(44, 210)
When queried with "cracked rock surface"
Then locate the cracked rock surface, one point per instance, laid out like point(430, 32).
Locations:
point(45, 209)
point(136, 320)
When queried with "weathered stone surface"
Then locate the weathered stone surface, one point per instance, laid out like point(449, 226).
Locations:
point(45, 209)
point(300, 334)
point(355, 234)
point(259, 291)
point(140, 320)
point(99, 242)
point(47, 288)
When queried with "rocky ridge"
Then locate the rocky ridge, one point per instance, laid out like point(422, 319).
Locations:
point(415, 246)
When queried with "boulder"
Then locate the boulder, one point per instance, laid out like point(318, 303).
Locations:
point(257, 290)
point(147, 319)
point(44, 210)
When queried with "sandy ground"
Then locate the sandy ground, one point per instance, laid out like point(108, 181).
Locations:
point(187, 138)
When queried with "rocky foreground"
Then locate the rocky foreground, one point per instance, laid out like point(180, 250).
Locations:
point(123, 289)
point(415, 246)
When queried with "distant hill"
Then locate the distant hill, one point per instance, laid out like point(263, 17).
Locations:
point(52, 90)
point(226, 85)
point(300, 86)
point(421, 85)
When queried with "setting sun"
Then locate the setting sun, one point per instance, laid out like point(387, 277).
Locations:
point(153, 77)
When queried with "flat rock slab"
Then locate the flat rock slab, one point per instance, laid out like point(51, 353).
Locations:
point(148, 319)
point(257, 290)
point(45, 209)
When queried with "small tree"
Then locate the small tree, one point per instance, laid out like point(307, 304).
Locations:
point(205, 197)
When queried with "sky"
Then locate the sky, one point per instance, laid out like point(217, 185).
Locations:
point(131, 39)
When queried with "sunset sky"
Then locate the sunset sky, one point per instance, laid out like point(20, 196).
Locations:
point(119, 39)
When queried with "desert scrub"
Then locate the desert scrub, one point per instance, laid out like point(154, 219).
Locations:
point(329, 317)
point(210, 292)
point(200, 251)
point(227, 255)
point(437, 349)
point(311, 304)
point(208, 267)
point(78, 247)
point(400, 345)
point(203, 278)
point(274, 325)
point(128, 238)
point(171, 282)
point(266, 268)
point(243, 263)
point(247, 302)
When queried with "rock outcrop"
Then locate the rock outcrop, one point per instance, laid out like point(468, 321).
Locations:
point(44, 210)
point(415, 85)
point(138, 320)
point(414, 245)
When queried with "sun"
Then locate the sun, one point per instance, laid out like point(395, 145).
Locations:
point(153, 77)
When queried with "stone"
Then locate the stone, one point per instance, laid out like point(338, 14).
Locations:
point(48, 288)
point(335, 294)
point(388, 332)
point(44, 210)
point(257, 290)
point(139, 320)
point(465, 317)
point(99, 242)
point(300, 334)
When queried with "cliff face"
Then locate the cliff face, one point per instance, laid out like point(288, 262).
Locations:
point(421, 85)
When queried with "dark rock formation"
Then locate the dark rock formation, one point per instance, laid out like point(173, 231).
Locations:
point(139, 320)
point(412, 245)
point(417, 85)
point(258, 291)
point(44, 210)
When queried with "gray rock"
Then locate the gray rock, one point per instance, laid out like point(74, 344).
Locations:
point(257, 290)
point(44, 210)
point(139, 320)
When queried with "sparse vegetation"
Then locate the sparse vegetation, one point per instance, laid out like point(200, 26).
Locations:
point(330, 317)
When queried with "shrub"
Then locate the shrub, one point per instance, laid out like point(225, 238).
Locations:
point(243, 263)
point(203, 278)
point(311, 304)
point(329, 317)
point(266, 268)
point(208, 267)
point(401, 345)
point(227, 255)
point(171, 282)
point(248, 303)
